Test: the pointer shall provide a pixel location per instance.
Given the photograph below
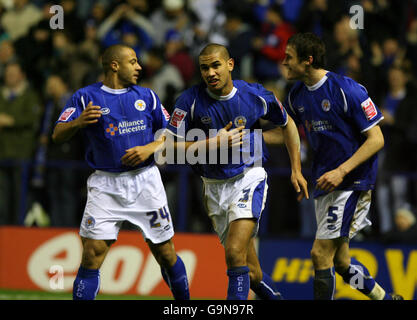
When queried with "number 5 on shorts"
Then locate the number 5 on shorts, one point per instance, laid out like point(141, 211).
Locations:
point(332, 218)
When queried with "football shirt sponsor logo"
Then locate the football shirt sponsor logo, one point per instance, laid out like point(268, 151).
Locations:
point(177, 118)
point(66, 114)
point(369, 109)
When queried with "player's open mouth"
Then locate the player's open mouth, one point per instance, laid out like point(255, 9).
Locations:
point(213, 82)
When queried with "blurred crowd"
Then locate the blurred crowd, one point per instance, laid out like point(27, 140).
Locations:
point(40, 67)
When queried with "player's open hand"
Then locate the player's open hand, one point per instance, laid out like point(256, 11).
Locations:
point(300, 185)
point(230, 138)
point(89, 115)
point(136, 155)
point(330, 180)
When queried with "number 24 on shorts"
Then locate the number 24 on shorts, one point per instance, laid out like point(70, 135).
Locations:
point(163, 213)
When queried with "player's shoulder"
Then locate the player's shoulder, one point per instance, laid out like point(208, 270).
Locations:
point(90, 88)
point(250, 87)
point(142, 91)
point(295, 89)
point(345, 83)
point(188, 96)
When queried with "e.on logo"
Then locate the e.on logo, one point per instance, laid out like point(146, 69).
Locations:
point(54, 264)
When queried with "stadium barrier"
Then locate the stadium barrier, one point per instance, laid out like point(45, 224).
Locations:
point(288, 262)
point(47, 259)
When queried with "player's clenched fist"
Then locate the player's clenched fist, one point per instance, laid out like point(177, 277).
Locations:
point(89, 115)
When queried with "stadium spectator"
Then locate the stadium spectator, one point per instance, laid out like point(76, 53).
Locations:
point(179, 56)
point(58, 188)
point(401, 151)
point(405, 231)
point(35, 50)
point(72, 21)
point(174, 15)
point(270, 44)
point(18, 20)
point(411, 44)
point(7, 55)
point(388, 202)
point(19, 123)
point(239, 36)
point(162, 77)
point(125, 25)
point(319, 16)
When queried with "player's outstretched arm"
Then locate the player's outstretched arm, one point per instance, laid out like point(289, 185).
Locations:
point(292, 142)
point(65, 130)
point(373, 143)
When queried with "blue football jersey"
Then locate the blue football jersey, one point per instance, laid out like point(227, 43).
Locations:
point(198, 108)
point(130, 117)
point(335, 113)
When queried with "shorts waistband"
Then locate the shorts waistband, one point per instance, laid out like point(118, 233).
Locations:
point(124, 173)
point(234, 178)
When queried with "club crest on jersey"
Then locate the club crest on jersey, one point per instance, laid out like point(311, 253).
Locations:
point(369, 109)
point(90, 222)
point(300, 109)
point(325, 105)
point(140, 105)
point(240, 121)
point(206, 120)
point(66, 114)
point(177, 118)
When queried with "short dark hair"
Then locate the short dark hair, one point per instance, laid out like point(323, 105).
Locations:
point(110, 54)
point(308, 44)
point(215, 47)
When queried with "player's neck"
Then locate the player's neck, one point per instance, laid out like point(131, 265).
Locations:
point(314, 76)
point(113, 82)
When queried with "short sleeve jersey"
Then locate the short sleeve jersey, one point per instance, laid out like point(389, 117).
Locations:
point(335, 113)
point(130, 117)
point(198, 108)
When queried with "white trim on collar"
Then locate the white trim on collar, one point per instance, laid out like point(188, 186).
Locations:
point(114, 91)
point(318, 84)
point(222, 98)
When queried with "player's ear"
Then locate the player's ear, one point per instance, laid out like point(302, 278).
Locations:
point(309, 60)
point(114, 65)
point(231, 64)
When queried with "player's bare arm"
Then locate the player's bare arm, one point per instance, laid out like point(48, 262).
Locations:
point(136, 155)
point(373, 143)
point(273, 137)
point(65, 130)
point(292, 142)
